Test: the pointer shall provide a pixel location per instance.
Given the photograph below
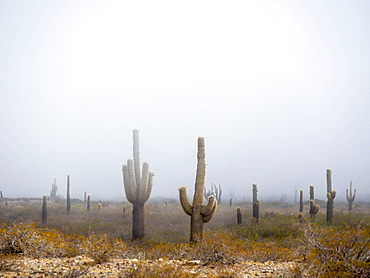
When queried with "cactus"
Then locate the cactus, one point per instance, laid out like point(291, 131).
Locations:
point(314, 209)
point(350, 197)
point(300, 217)
point(54, 189)
point(100, 206)
point(1, 195)
point(85, 197)
point(330, 195)
point(44, 210)
point(137, 188)
point(68, 195)
point(199, 213)
point(239, 215)
point(256, 203)
point(124, 209)
point(213, 191)
point(88, 202)
point(301, 201)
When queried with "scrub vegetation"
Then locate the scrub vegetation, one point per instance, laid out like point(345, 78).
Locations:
point(339, 249)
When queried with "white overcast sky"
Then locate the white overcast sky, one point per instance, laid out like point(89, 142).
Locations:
point(279, 89)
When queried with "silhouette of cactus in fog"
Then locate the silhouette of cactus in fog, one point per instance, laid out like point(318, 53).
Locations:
point(350, 197)
point(44, 210)
point(239, 215)
point(330, 195)
point(137, 188)
point(256, 203)
point(301, 201)
point(314, 209)
point(88, 202)
point(68, 195)
point(213, 191)
point(54, 189)
point(199, 212)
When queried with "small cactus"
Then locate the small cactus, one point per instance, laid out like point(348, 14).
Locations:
point(300, 217)
point(138, 187)
point(301, 201)
point(199, 213)
point(330, 195)
point(314, 209)
point(44, 210)
point(239, 215)
point(100, 206)
point(68, 195)
point(350, 197)
point(256, 203)
point(88, 202)
point(54, 189)
point(124, 209)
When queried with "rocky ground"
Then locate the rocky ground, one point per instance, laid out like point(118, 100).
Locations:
point(84, 267)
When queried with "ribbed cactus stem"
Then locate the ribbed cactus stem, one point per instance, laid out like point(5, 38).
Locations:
point(138, 186)
point(350, 197)
point(68, 195)
point(256, 203)
point(314, 209)
point(44, 209)
point(239, 215)
point(301, 201)
point(330, 196)
point(199, 212)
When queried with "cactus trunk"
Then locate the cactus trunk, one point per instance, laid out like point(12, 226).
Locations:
point(301, 201)
point(199, 213)
point(256, 203)
point(44, 210)
point(88, 203)
point(350, 197)
point(314, 209)
point(239, 215)
point(68, 195)
point(330, 195)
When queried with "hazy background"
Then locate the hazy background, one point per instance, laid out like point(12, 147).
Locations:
point(279, 89)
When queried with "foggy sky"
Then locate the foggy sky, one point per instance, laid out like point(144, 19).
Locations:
point(279, 89)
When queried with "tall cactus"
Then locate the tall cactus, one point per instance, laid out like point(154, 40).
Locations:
point(88, 203)
point(199, 212)
point(68, 195)
point(314, 209)
point(256, 203)
point(239, 215)
point(301, 201)
point(137, 188)
point(350, 197)
point(44, 210)
point(330, 195)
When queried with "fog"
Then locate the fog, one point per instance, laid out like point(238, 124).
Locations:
point(279, 89)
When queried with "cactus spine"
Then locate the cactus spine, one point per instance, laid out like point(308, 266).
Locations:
point(314, 209)
point(68, 195)
point(239, 215)
point(199, 212)
point(44, 210)
point(137, 187)
point(301, 201)
point(256, 203)
point(88, 202)
point(330, 195)
point(350, 197)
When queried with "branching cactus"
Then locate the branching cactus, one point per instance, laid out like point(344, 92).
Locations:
point(138, 187)
point(44, 210)
point(54, 189)
point(239, 215)
point(330, 195)
point(68, 195)
point(199, 212)
point(301, 201)
point(350, 197)
point(256, 203)
point(314, 209)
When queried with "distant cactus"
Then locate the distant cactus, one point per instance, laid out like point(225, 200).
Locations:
point(165, 204)
point(256, 203)
point(44, 210)
point(100, 206)
point(300, 217)
point(85, 197)
point(54, 189)
point(301, 201)
point(213, 191)
point(239, 215)
point(68, 195)
point(350, 197)
point(124, 209)
point(137, 188)
point(1, 195)
point(232, 193)
point(199, 213)
point(330, 195)
point(314, 209)
point(88, 202)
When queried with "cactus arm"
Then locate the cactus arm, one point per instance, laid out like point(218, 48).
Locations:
point(317, 208)
point(150, 186)
point(130, 186)
point(333, 194)
point(144, 184)
point(212, 201)
point(184, 200)
point(208, 217)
